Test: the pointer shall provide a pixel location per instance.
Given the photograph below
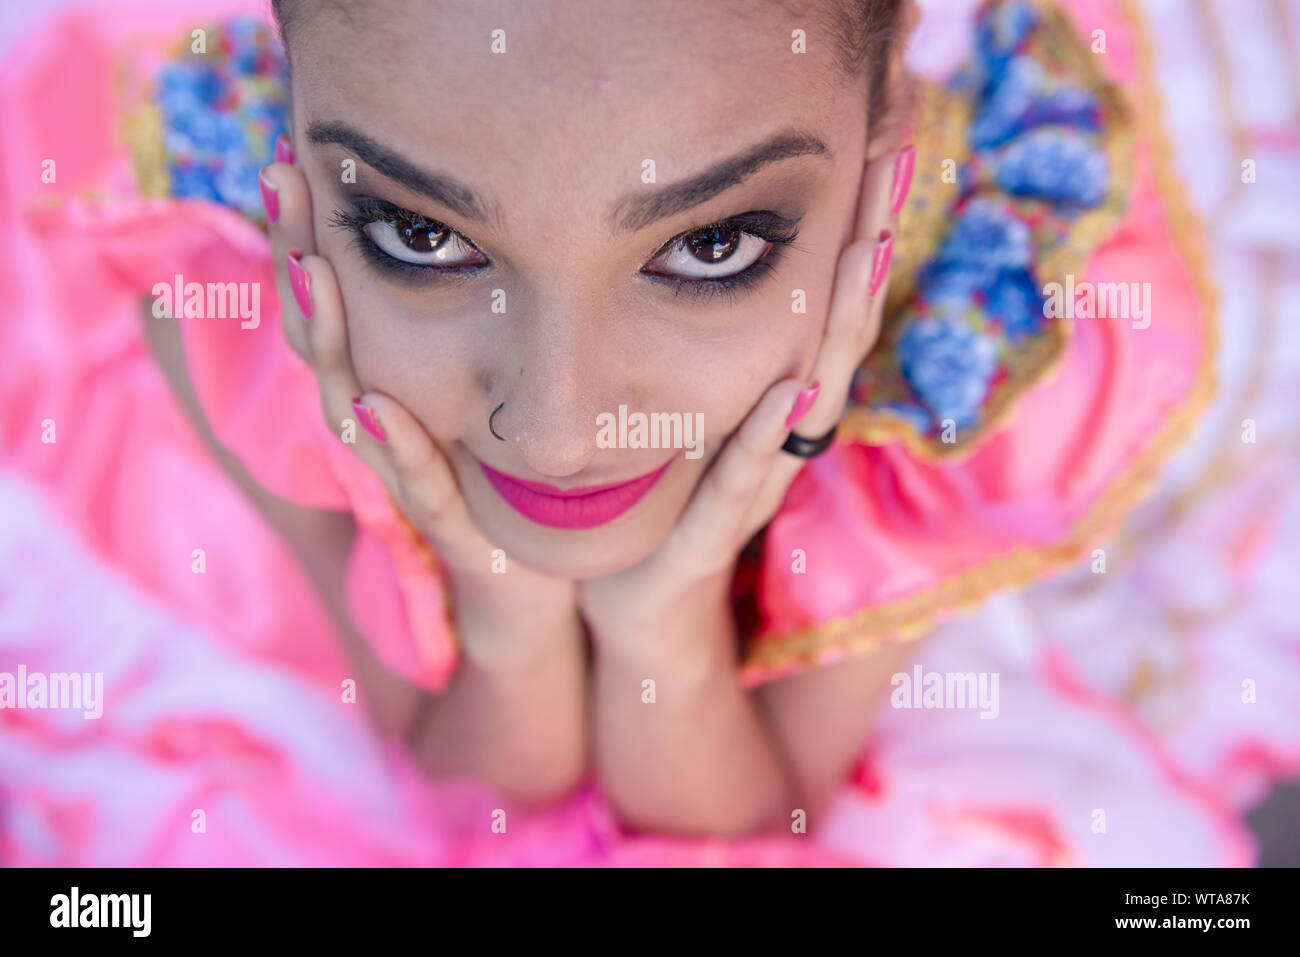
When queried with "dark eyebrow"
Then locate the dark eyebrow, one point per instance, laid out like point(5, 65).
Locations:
point(632, 213)
point(447, 190)
point(637, 211)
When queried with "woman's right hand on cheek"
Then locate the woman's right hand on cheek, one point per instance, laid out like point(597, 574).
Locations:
point(391, 441)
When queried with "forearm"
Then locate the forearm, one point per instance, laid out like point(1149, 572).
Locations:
point(821, 717)
point(699, 759)
point(514, 712)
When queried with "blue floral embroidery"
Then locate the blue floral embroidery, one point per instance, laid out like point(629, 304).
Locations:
point(952, 287)
point(1008, 98)
point(987, 237)
point(949, 365)
point(221, 112)
point(1025, 97)
point(1001, 31)
point(1060, 166)
point(1014, 299)
point(1036, 162)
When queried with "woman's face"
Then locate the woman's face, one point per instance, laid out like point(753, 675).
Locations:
point(526, 225)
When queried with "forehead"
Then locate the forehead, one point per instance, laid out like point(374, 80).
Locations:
point(583, 93)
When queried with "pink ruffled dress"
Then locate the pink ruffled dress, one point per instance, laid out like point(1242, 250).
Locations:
point(986, 446)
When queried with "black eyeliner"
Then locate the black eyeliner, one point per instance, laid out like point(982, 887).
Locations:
point(729, 287)
point(365, 210)
point(778, 231)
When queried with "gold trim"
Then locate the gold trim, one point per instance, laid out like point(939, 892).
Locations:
point(140, 121)
point(912, 616)
point(942, 133)
point(1038, 361)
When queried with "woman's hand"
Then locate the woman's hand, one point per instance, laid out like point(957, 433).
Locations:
point(747, 482)
point(496, 612)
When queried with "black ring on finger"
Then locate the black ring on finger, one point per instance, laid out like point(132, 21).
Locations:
point(809, 448)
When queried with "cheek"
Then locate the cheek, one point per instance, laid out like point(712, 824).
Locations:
point(770, 342)
point(726, 379)
point(425, 363)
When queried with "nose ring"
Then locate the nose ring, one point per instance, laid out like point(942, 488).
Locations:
point(493, 416)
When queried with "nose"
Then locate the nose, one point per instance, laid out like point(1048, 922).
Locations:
point(560, 375)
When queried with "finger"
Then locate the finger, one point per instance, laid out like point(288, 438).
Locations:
point(709, 533)
point(828, 413)
point(394, 444)
point(427, 487)
point(856, 312)
point(845, 339)
point(853, 320)
point(325, 338)
point(287, 200)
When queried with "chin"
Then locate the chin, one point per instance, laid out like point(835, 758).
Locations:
point(575, 563)
point(579, 554)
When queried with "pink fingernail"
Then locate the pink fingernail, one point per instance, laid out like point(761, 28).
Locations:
point(369, 422)
point(299, 282)
point(903, 167)
point(283, 151)
point(880, 263)
point(270, 199)
point(802, 403)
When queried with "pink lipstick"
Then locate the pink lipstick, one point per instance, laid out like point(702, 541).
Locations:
point(583, 507)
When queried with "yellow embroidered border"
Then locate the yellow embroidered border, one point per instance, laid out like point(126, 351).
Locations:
point(1037, 362)
point(943, 119)
point(141, 121)
point(911, 617)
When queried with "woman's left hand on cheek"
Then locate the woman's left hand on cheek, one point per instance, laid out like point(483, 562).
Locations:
point(746, 484)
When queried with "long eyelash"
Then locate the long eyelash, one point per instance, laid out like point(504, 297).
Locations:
point(781, 233)
point(729, 287)
point(366, 210)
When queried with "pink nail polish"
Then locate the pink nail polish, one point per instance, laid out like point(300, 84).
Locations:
point(880, 263)
point(300, 283)
point(366, 416)
point(270, 199)
point(283, 151)
point(903, 167)
point(802, 403)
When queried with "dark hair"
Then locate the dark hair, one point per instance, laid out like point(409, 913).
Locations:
point(864, 32)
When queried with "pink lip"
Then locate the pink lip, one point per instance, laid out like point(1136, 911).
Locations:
point(584, 507)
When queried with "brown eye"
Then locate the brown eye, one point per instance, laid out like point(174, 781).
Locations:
point(714, 244)
point(714, 252)
point(419, 242)
point(419, 236)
